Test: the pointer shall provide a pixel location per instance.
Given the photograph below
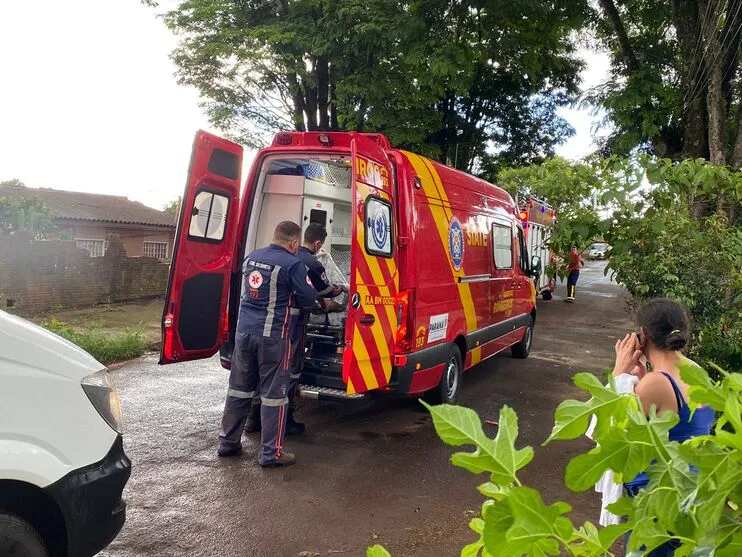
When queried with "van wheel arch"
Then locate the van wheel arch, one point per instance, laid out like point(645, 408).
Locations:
point(29, 503)
point(449, 387)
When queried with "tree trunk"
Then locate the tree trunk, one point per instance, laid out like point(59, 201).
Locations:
point(323, 92)
point(695, 141)
point(614, 17)
point(299, 106)
point(334, 124)
point(715, 97)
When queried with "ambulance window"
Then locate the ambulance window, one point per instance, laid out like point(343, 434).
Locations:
point(208, 216)
point(378, 214)
point(503, 246)
point(318, 216)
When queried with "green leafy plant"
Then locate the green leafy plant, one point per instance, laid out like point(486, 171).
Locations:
point(104, 347)
point(694, 491)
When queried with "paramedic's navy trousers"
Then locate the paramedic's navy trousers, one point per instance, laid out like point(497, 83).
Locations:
point(260, 366)
point(297, 364)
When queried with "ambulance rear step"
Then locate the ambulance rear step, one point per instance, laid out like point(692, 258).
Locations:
point(326, 393)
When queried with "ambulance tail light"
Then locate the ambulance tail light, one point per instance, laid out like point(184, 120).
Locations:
point(167, 347)
point(225, 328)
point(401, 309)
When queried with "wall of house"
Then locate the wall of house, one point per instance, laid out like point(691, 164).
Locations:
point(42, 276)
point(133, 237)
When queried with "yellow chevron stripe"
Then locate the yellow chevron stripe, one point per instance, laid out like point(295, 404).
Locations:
point(433, 187)
point(380, 339)
point(363, 360)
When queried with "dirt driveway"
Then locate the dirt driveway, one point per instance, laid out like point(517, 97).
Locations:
point(368, 473)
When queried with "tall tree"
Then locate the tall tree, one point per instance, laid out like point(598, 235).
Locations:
point(458, 81)
point(675, 88)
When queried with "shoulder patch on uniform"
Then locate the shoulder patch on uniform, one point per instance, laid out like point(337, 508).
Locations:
point(324, 277)
point(309, 282)
point(255, 280)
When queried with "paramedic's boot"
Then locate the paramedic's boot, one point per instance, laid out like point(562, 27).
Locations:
point(292, 426)
point(286, 459)
point(252, 425)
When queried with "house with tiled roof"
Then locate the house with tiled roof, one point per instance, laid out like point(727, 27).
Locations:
point(90, 219)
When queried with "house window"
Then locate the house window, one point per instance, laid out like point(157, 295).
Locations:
point(155, 249)
point(95, 248)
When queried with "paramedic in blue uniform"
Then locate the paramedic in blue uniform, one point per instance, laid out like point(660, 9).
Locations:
point(314, 238)
point(277, 289)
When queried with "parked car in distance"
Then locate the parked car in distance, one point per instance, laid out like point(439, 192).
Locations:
point(62, 461)
point(597, 251)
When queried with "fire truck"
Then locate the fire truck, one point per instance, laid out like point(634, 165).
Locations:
point(537, 219)
point(436, 261)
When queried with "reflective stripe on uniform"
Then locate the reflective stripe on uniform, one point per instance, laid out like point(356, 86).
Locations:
point(240, 394)
point(271, 309)
point(294, 375)
point(274, 401)
point(295, 311)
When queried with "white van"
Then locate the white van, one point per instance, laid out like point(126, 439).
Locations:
point(62, 462)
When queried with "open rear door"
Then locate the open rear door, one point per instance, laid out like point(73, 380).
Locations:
point(374, 280)
point(194, 318)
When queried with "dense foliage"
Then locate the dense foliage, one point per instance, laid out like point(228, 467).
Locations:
point(450, 79)
point(644, 209)
point(28, 215)
point(701, 509)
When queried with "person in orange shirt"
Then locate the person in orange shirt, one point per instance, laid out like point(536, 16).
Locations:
point(575, 264)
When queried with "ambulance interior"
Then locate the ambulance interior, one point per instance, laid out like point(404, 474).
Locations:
point(306, 190)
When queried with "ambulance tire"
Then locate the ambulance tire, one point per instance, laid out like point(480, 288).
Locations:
point(523, 348)
point(546, 295)
point(448, 389)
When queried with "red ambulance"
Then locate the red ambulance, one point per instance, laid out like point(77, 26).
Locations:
point(436, 261)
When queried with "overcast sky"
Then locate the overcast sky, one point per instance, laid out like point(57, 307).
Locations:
point(89, 101)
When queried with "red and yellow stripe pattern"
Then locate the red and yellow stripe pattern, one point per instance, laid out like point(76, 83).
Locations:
point(440, 207)
point(376, 280)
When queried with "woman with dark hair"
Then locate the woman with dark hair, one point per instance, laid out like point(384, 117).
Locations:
point(663, 331)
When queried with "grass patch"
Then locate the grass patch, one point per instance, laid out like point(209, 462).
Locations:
point(103, 346)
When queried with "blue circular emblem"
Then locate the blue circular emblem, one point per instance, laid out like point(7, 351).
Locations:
point(380, 229)
point(456, 243)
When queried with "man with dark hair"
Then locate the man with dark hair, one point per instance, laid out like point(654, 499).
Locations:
point(314, 238)
point(277, 289)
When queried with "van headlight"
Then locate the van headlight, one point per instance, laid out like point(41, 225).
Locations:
point(104, 397)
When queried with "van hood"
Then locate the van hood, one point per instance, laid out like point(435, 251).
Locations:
point(26, 345)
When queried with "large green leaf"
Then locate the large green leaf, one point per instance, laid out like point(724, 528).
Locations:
point(461, 426)
point(530, 526)
point(626, 452)
point(377, 551)
point(572, 416)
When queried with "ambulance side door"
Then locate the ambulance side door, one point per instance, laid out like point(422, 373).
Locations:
point(194, 319)
point(374, 278)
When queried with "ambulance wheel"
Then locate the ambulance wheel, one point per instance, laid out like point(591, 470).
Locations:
point(523, 348)
point(448, 389)
point(19, 539)
point(546, 295)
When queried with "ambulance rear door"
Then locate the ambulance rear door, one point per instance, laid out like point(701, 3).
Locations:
point(374, 279)
point(194, 321)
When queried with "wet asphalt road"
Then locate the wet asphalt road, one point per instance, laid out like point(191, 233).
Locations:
point(368, 472)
